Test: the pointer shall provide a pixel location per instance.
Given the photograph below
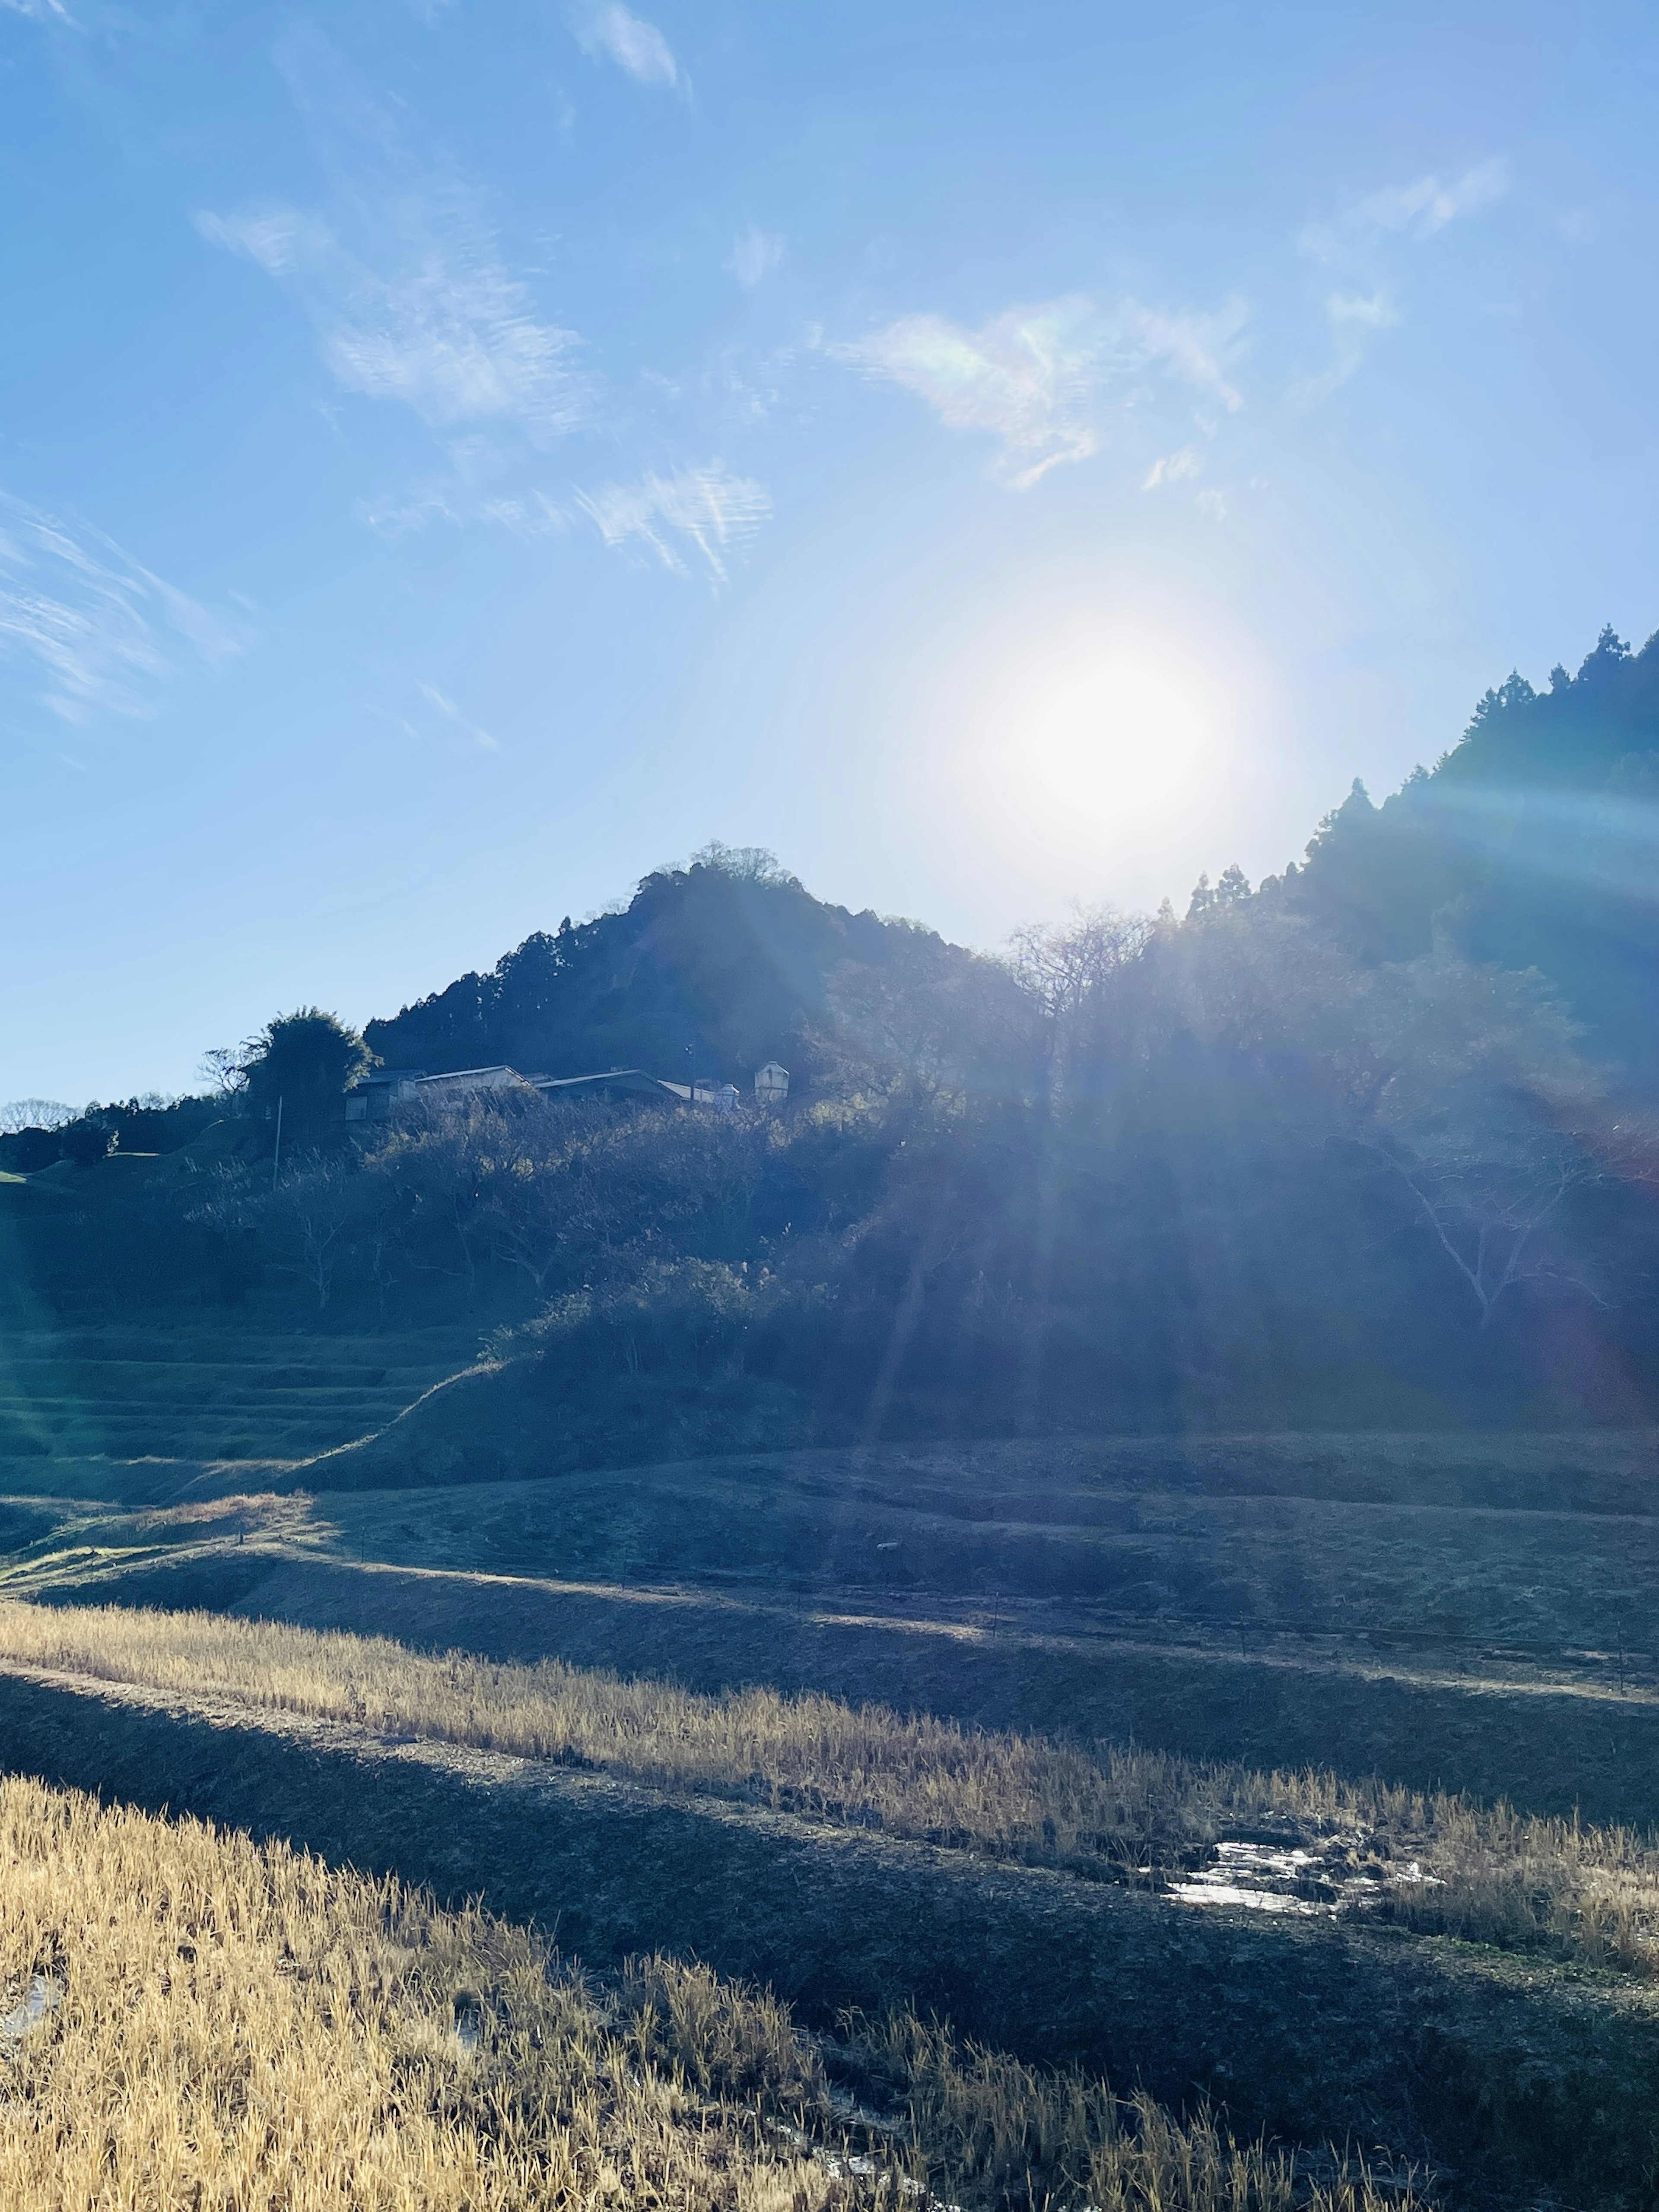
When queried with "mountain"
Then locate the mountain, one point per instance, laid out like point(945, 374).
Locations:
point(1534, 843)
point(713, 969)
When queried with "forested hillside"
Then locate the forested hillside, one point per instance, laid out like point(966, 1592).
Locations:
point(710, 970)
point(1375, 1144)
point(1531, 844)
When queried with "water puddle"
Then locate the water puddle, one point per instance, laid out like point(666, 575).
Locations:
point(855, 2166)
point(1264, 1877)
point(1319, 1876)
point(39, 2001)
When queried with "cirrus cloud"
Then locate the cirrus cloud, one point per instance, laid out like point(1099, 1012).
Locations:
point(1363, 244)
point(1414, 211)
point(94, 625)
point(754, 256)
point(398, 271)
point(427, 314)
point(608, 29)
point(708, 513)
point(1038, 378)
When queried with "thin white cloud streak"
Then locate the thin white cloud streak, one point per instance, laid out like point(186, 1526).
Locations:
point(453, 714)
point(707, 512)
point(90, 620)
point(1354, 320)
point(1038, 378)
point(754, 256)
point(439, 324)
point(1174, 468)
point(40, 11)
point(1417, 210)
point(1363, 242)
point(1413, 212)
point(1375, 311)
point(613, 32)
point(400, 275)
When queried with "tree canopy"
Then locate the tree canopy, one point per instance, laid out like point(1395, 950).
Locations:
point(304, 1060)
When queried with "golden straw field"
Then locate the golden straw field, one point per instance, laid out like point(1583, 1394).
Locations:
point(233, 2027)
point(1495, 1876)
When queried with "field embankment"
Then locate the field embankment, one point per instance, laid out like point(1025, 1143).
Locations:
point(1101, 1811)
point(1506, 1652)
point(1516, 2069)
point(130, 1412)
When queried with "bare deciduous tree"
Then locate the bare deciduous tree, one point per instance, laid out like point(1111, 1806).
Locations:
point(1469, 1082)
point(33, 1114)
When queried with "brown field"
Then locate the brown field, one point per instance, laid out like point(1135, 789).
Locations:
point(1435, 1863)
point(784, 1700)
point(221, 2025)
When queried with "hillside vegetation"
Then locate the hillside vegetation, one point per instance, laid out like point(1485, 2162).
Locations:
point(1375, 1144)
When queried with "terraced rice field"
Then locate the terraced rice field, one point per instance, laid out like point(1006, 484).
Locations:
point(181, 1394)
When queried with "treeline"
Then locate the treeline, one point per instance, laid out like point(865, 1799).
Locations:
point(1372, 1143)
point(711, 969)
point(1166, 1172)
point(1529, 846)
point(150, 1124)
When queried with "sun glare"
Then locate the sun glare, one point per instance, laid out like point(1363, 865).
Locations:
point(1103, 732)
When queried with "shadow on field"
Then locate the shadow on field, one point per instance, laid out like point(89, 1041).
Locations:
point(1506, 2072)
point(1547, 1745)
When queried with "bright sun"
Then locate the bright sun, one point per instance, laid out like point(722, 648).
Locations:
point(1104, 726)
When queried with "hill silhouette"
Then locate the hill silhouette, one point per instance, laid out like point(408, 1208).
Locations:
point(724, 963)
point(1531, 845)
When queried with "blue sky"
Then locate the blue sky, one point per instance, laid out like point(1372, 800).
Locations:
point(457, 454)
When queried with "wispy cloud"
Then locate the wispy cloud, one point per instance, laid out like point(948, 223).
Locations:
point(1363, 244)
point(94, 625)
point(1365, 311)
point(606, 28)
point(1038, 378)
point(39, 11)
point(1414, 211)
point(754, 256)
point(452, 715)
point(1174, 468)
point(400, 275)
point(427, 315)
point(706, 514)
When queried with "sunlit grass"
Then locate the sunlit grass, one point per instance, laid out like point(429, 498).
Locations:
point(241, 2026)
point(1493, 1875)
point(234, 2027)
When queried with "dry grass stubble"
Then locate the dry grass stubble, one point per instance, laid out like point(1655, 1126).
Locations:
point(1492, 1875)
point(239, 2028)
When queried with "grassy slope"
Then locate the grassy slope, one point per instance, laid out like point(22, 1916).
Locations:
point(1519, 2072)
point(126, 1411)
point(1425, 1608)
point(229, 2025)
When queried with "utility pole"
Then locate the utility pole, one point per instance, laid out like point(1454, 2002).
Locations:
point(276, 1153)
